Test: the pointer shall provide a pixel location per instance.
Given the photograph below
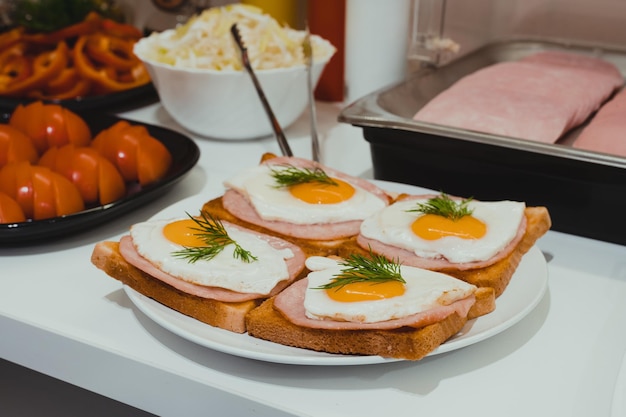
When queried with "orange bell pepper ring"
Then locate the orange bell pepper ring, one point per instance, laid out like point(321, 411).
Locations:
point(14, 67)
point(45, 66)
point(108, 78)
point(111, 51)
point(68, 84)
point(120, 30)
point(10, 37)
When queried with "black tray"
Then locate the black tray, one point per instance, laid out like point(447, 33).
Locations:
point(584, 191)
point(185, 154)
point(120, 100)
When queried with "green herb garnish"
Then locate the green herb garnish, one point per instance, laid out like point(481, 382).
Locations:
point(444, 206)
point(358, 268)
point(212, 232)
point(290, 175)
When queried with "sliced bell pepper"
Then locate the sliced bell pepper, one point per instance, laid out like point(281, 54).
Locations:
point(10, 37)
point(112, 51)
point(110, 79)
point(121, 30)
point(69, 84)
point(14, 66)
point(45, 66)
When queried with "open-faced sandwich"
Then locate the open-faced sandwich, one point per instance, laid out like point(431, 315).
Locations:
point(303, 255)
point(210, 270)
point(368, 305)
point(477, 241)
point(299, 200)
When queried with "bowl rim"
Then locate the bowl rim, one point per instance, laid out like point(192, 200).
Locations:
point(143, 44)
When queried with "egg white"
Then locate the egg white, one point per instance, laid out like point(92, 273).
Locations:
point(424, 290)
point(277, 204)
point(224, 270)
point(392, 226)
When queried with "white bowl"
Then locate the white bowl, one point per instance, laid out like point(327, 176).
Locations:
point(225, 104)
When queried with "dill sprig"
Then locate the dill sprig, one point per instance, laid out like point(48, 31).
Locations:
point(444, 206)
point(290, 175)
point(212, 232)
point(358, 268)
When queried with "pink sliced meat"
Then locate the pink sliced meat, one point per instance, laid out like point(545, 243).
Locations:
point(538, 98)
point(295, 265)
point(290, 303)
point(578, 61)
point(239, 206)
point(605, 132)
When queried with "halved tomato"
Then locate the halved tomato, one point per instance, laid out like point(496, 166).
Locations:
point(67, 197)
point(40, 192)
point(138, 155)
point(10, 211)
point(44, 204)
point(95, 177)
point(15, 146)
point(50, 125)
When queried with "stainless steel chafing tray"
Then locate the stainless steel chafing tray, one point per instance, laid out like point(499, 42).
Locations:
point(584, 191)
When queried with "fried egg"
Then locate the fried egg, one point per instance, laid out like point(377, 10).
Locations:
point(478, 237)
point(306, 203)
point(158, 240)
point(377, 302)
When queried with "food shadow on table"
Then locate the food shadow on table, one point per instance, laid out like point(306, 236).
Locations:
point(400, 375)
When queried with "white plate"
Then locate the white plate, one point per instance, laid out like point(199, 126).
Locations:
point(526, 289)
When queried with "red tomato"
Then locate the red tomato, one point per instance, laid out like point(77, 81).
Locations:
point(95, 176)
point(138, 156)
point(50, 125)
point(44, 204)
point(40, 192)
point(15, 146)
point(10, 211)
point(67, 197)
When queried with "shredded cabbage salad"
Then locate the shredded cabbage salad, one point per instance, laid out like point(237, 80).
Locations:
point(205, 41)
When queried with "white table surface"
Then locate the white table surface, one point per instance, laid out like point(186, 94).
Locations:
point(63, 317)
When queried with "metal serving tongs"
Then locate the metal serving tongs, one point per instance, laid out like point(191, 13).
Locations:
point(308, 61)
point(278, 131)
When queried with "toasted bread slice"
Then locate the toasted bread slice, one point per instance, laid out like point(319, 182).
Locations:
point(499, 274)
point(226, 315)
point(265, 322)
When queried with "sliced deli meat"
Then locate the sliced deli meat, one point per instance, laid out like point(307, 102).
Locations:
point(538, 98)
point(290, 302)
point(605, 132)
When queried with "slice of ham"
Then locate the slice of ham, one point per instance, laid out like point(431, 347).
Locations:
point(538, 98)
point(605, 132)
point(290, 303)
point(239, 206)
point(295, 265)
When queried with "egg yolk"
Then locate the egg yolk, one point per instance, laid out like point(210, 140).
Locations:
point(320, 193)
point(433, 226)
point(366, 291)
point(183, 232)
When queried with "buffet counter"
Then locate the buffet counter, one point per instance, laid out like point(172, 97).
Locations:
point(61, 316)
